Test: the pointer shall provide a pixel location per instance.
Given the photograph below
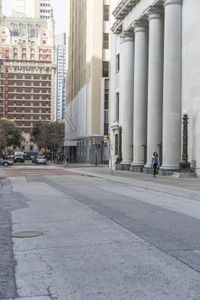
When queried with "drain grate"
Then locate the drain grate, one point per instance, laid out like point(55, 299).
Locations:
point(27, 234)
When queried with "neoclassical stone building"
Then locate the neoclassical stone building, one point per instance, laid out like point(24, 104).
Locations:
point(155, 78)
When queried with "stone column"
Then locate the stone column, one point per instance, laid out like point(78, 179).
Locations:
point(172, 85)
point(126, 99)
point(140, 97)
point(155, 83)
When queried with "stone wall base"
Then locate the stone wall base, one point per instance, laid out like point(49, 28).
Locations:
point(166, 172)
point(137, 169)
point(125, 167)
point(148, 170)
point(184, 174)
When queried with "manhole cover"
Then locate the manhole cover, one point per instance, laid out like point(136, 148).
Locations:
point(27, 234)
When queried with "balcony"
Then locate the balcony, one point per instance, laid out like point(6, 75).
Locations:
point(28, 114)
point(123, 8)
point(28, 93)
point(29, 79)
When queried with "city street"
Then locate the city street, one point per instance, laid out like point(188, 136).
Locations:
point(81, 233)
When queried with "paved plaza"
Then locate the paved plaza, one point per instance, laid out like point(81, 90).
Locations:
point(100, 236)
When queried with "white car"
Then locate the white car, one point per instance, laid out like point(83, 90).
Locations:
point(40, 160)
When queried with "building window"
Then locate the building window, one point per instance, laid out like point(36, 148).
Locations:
point(116, 144)
point(106, 10)
point(106, 129)
point(117, 62)
point(106, 41)
point(106, 94)
point(105, 69)
point(117, 107)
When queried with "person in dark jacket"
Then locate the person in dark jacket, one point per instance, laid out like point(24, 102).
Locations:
point(155, 163)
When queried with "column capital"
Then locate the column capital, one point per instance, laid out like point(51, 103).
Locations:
point(126, 36)
point(140, 26)
point(170, 2)
point(154, 13)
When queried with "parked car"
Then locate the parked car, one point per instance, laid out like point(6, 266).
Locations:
point(33, 158)
point(5, 162)
point(40, 160)
point(30, 154)
point(18, 157)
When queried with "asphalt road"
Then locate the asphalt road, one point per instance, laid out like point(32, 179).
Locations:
point(102, 237)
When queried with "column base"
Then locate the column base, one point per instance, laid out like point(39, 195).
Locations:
point(168, 170)
point(137, 168)
point(148, 170)
point(185, 174)
point(125, 166)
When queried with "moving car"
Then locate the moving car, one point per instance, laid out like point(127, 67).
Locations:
point(40, 160)
point(18, 157)
point(5, 162)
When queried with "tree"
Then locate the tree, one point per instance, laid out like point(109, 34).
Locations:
point(10, 136)
point(40, 135)
point(57, 132)
point(49, 136)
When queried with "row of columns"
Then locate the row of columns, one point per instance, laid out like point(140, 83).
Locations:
point(150, 88)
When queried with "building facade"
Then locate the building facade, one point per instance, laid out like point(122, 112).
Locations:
point(26, 8)
point(42, 9)
point(60, 79)
point(155, 80)
point(27, 71)
point(87, 119)
point(46, 9)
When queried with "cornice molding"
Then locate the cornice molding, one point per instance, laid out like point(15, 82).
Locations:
point(123, 8)
point(126, 36)
point(117, 27)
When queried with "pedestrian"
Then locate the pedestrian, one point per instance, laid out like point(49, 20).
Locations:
point(155, 163)
point(65, 159)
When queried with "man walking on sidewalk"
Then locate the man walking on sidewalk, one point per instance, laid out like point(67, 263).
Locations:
point(155, 163)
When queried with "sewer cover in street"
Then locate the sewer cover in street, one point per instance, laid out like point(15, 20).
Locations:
point(27, 234)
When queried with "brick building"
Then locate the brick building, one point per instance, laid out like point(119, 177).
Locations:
point(27, 72)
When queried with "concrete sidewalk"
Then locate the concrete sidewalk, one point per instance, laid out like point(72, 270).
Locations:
point(140, 179)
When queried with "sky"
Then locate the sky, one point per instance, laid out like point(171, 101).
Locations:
point(59, 13)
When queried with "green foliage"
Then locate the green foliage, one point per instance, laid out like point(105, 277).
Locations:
point(9, 134)
point(48, 135)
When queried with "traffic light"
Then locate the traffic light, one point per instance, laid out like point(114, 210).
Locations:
point(93, 141)
point(105, 139)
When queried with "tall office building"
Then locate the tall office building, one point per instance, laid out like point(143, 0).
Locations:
point(27, 73)
point(32, 9)
point(60, 79)
point(26, 8)
point(88, 80)
point(46, 9)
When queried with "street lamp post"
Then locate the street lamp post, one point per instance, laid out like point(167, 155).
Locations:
point(184, 164)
